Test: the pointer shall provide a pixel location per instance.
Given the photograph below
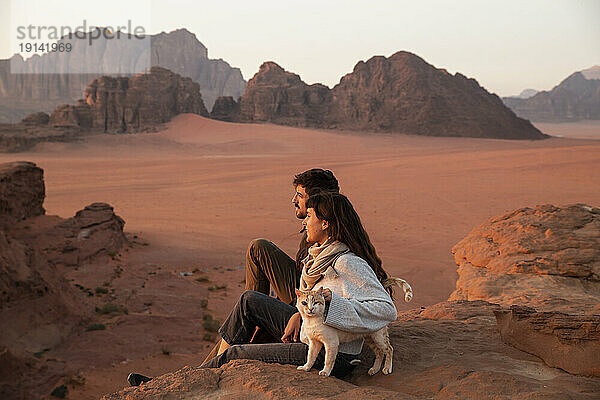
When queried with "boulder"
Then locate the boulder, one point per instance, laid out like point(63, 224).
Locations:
point(22, 191)
point(569, 342)
point(545, 257)
point(95, 230)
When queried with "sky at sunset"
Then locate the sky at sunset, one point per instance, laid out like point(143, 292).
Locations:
point(506, 45)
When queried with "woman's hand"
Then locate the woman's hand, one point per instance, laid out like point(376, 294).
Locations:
point(292, 330)
point(327, 295)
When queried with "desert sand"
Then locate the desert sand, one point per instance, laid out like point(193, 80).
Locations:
point(589, 129)
point(198, 191)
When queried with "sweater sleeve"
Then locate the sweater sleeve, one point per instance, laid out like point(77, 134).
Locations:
point(367, 307)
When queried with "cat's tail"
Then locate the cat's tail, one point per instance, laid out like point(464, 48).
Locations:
point(408, 292)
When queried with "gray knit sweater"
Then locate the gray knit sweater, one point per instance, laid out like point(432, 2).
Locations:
point(359, 303)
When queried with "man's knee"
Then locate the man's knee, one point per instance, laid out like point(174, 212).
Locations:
point(256, 250)
point(258, 245)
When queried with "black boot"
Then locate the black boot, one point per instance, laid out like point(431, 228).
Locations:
point(137, 379)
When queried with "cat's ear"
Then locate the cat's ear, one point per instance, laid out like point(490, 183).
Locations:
point(320, 291)
point(298, 293)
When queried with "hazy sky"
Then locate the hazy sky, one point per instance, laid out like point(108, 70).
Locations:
point(506, 45)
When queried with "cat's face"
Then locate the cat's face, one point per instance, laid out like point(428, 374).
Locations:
point(310, 303)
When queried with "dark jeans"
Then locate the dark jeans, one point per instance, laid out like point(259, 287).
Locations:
point(267, 265)
point(258, 309)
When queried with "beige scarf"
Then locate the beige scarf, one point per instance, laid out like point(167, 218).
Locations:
point(318, 260)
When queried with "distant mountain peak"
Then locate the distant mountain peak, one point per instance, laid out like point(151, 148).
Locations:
point(592, 72)
point(577, 97)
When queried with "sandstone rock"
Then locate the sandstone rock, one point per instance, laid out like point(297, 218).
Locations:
point(545, 257)
point(69, 115)
point(38, 307)
point(38, 118)
point(225, 109)
point(277, 96)
point(22, 191)
point(401, 93)
point(92, 231)
point(249, 379)
point(575, 98)
point(565, 341)
point(142, 101)
point(96, 230)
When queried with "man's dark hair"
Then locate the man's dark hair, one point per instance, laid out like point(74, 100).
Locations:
point(317, 180)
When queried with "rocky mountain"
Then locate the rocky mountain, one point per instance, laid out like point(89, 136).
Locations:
point(401, 93)
point(110, 105)
point(41, 89)
point(575, 98)
point(522, 324)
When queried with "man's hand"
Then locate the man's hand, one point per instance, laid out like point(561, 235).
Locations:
point(292, 330)
point(327, 295)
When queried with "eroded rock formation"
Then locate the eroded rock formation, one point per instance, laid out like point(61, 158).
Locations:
point(569, 342)
point(22, 192)
point(39, 308)
point(142, 101)
point(401, 93)
point(280, 97)
point(179, 51)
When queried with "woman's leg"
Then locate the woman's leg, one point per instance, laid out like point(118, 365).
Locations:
point(255, 309)
point(281, 353)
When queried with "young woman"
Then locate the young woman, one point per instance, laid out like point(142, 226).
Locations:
point(344, 263)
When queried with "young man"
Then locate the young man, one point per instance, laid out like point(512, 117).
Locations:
point(266, 264)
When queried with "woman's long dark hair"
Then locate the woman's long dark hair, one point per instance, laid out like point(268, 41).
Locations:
point(345, 226)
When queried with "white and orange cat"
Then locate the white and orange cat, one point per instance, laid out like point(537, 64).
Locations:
point(311, 305)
